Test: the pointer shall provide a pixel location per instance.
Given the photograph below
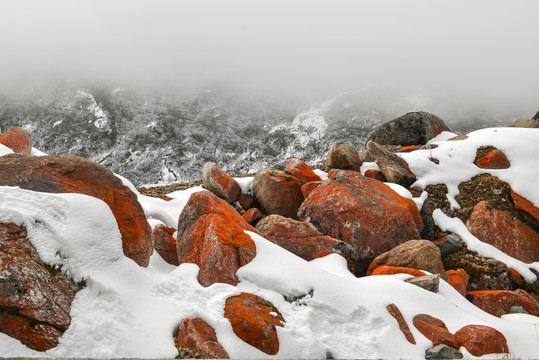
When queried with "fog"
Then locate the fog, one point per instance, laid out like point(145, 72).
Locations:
point(465, 52)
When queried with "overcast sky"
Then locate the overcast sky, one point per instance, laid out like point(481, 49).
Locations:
point(458, 47)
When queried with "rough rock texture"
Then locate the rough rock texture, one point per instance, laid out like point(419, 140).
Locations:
point(493, 160)
point(307, 188)
point(415, 128)
point(246, 201)
point(527, 209)
point(252, 216)
point(344, 156)
point(211, 235)
point(35, 298)
point(480, 340)
point(443, 352)
point(499, 302)
point(416, 254)
point(485, 273)
point(391, 270)
point(199, 337)
point(17, 139)
point(435, 330)
point(428, 282)
point(72, 174)
point(303, 240)
point(219, 182)
point(501, 230)
point(448, 244)
point(375, 174)
point(458, 279)
point(395, 312)
point(363, 213)
point(334, 173)
point(277, 192)
point(165, 244)
point(301, 171)
point(394, 168)
point(254, 320)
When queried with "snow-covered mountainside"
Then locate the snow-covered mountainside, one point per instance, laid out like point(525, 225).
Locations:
point(161, 138)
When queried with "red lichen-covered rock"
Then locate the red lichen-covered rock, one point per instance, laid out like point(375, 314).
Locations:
point(254, 320)
point(363, 213)
point(458, 279)
point(307, 188)
point(211, 234)
point(501, 230)
point(499, 302)
point(17, 139)
point(526, 208)
point(435, 330)
point(409, 148)
point(375, 174)
point(333, 173)
point(165, 244)
point(35, 298)
point(220, 183)
point(515, 277)
point(392, 270)
point(72, 174)
point(394, 168)
point(415, 254)
point(199, 337)
point(278, 192)
point(480, 340)
point(246, 201)
point(252, 216)
point(395, 312)
point(493, 160)
point(302, 239)
point(344, 156)
point(301, 171)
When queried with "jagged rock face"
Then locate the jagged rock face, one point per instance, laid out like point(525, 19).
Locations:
point(363, 213)
point(414, 128)
point(72, 174)
point(35, 298)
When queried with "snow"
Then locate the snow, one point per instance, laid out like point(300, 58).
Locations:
point(4, 150)
point(126, 311)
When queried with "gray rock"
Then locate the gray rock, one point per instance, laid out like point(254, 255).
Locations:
point(415, 128)
point(394, 168)
point(443, 351)
point(429, 282)
point(450, 245)
point(344, 156)
point(517, 310)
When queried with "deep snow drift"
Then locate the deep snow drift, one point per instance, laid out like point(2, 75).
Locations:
point(129, 311)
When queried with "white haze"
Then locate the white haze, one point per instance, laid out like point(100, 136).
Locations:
point(469, 52)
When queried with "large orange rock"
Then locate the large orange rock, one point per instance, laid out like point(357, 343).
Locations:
point(253, 320)
point(526, 208)
point(165, 244)
point(211, 234)
point(435, 330)
point(278, 192)
point(501, 230)
point(17, 139)
point(415, 254)
point(220, 183)
point(344, 156)
point(301, 171)
point(480, 340)
point(493, 160)
point(302, 239)
point(458, 279)
point(499, 302)
point(199, 337)
point(35, 298)
point(72, 174)
point(364, 213)
point(392, 270)
point(396, 313)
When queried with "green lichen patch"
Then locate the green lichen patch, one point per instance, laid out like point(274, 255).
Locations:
point(184, 353)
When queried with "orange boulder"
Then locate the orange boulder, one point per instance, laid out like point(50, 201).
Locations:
point(199, 337)
point(220, 183)
point(458, 279)
point(17, 139)
point(253, 320)
point(165, 244)
point(278, 192)
point(435, 330)
point(480, 340)
point(494, 160)
point(499, 302)
point(301, 171)
point(72, 174)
